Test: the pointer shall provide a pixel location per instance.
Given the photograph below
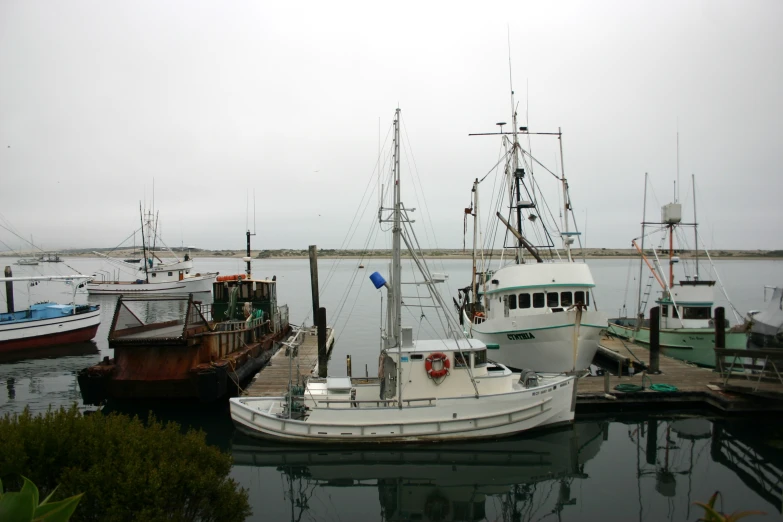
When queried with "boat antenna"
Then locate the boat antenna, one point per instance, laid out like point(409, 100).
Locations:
point(677, 186)
point(248, 259)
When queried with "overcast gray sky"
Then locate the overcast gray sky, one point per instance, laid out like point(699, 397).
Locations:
point(213, 100)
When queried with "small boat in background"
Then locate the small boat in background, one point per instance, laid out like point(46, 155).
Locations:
point(50, 257)
point(27, 262)
point(47, 324)
point(154, 276)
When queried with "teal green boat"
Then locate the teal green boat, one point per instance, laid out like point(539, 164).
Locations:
point(687, 324)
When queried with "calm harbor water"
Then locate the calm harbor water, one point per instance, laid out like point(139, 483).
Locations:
point(642, 467)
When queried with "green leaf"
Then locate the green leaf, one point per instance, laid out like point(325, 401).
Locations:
point(710, 515)
point(59, 511)
point(50, 495)
point(29, 487)
point(17, 507)
point(742, 514)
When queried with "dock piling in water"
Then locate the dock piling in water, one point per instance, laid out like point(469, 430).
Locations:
point(9, 291)
point(314, 280)
point(348, 371)
point(323, 356)
point(655, 339)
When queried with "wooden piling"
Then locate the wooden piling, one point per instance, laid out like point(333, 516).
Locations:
point(9, 291)
point(348, 371)
point(655, 339)
point(720, 327)
point(314, 281)
point(652, 441)
point(323, 357)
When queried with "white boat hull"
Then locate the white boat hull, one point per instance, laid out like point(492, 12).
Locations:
point(457, 418)
point(544, 342)
point(188, 285)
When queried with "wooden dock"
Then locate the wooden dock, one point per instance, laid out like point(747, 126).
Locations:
point(696, 386)
point(272, 380)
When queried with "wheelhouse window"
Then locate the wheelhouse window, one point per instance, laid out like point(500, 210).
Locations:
point(461, 359)
point(552, 299)
point(665, 311)
point(538, 300)
point(479, 358)
point(566, 299)
point(696, 312)
point(171, 273)
point(524, 300)
point(579, 297)
point(512, 302)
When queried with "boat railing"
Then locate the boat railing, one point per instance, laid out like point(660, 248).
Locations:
point(280, 319)
point(761, 369)
point(379, 402)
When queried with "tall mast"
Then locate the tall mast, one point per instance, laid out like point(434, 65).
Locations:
point(641, 260)
point(396, 264)
point(475, 234)
point(143, 244)
point(513, 180)
point(566, 206)
point(695, 227)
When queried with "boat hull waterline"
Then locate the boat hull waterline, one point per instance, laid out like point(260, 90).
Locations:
point(696, 345)
point(41, 333)
point(457, 418)
point(189, 285)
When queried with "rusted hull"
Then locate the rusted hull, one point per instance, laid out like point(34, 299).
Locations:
point(174, 371)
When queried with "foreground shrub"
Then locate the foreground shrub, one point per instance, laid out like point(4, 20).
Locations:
point(126, 470)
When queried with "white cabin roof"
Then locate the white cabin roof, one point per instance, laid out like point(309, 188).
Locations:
point(540, 275)
point(442, 345)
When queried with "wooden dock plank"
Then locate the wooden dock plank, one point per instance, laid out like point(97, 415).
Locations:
point(694, 384)
point(272, 380)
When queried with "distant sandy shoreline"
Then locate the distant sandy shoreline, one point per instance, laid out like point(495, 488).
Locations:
point(591, 254)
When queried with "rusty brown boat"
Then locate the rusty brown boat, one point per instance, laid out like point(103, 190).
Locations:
point(203, 352)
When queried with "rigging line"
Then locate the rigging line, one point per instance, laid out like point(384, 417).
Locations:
point(494, 205)
point(525, 152)
point(426, 208)
point(373, 234)
point(351, 232)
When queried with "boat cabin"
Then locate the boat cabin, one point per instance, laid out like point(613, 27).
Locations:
point(234, 295)
point(540, 290)
point(688, 305)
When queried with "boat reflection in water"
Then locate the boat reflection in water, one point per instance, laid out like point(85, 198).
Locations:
point(524, 474)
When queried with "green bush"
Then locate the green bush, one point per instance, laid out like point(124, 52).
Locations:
point(126, 470)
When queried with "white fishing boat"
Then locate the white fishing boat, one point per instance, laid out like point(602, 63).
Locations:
point(535, 310)
point(47, 324)
point(154, 276)
point(426, 390)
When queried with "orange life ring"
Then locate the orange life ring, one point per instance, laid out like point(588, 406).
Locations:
point(231, 277)
point(437, 357)
point(479, 314)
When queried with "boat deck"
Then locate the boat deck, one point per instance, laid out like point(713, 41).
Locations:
point(695, 385)
point(166, 332)
point(272, 380)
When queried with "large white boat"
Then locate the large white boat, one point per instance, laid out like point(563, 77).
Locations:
point(154, 276)
point(535, 310)
point(426, 390)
